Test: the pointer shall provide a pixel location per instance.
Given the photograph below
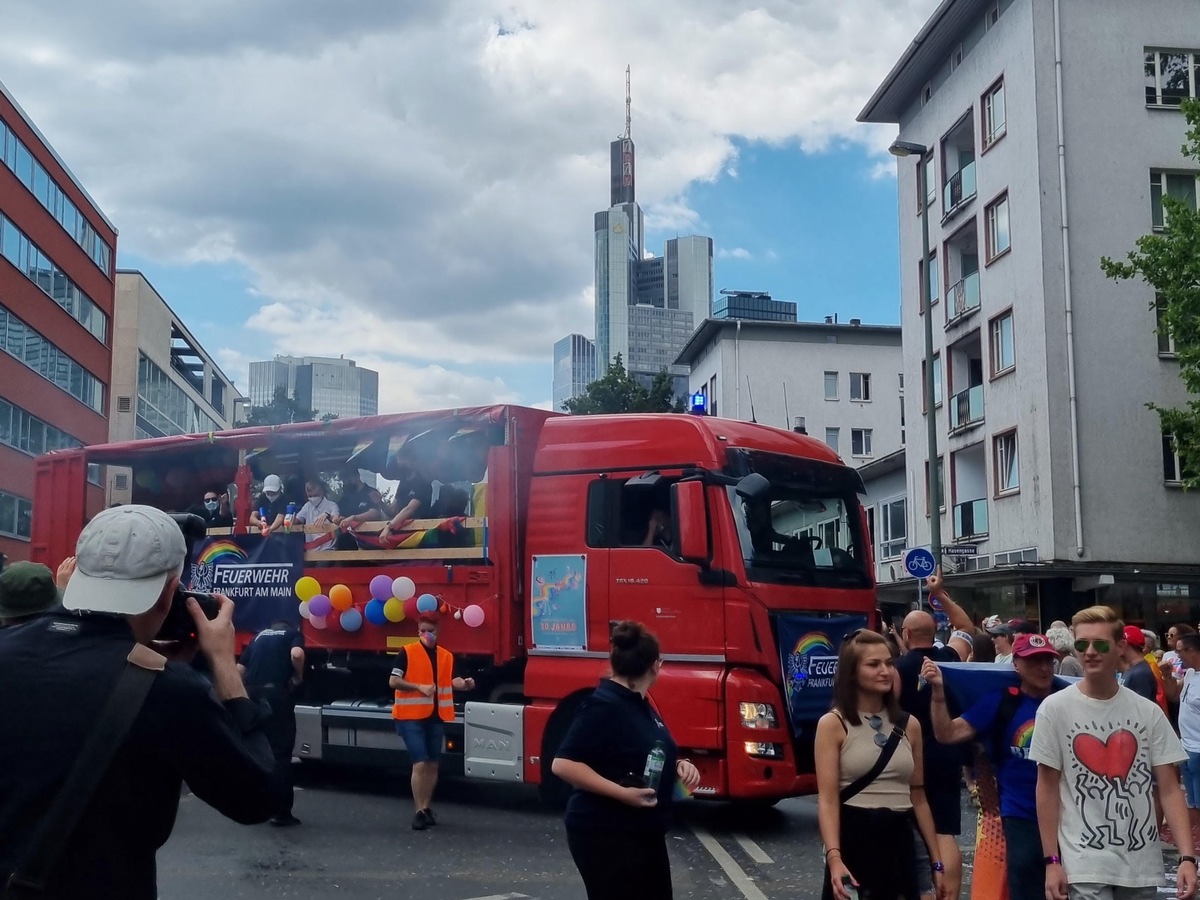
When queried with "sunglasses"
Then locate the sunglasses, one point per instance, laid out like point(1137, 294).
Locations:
point(1101, 646)
point(876, 723)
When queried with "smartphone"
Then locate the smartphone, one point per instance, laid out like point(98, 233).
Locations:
point(849, 888)
point(179, 625)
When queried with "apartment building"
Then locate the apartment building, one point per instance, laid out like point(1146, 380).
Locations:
point(1052, 131)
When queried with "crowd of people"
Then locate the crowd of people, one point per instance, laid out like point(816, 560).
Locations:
point(1088, 766)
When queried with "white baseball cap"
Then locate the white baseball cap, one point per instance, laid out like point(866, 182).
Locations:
point(272, 484)
point(123, 559)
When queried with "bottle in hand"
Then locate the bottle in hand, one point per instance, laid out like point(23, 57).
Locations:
point(655, 761)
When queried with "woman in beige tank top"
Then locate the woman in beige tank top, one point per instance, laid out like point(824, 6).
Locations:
point(869, 836)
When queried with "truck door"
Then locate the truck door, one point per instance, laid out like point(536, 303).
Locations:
point(647, 581)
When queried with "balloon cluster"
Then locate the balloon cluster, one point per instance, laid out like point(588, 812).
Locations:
point(318, 607)
point(392, 600)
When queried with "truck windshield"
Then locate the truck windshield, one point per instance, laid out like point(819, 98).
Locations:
point(806, 528)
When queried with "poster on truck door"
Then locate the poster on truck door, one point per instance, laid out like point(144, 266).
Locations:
point(558, 608)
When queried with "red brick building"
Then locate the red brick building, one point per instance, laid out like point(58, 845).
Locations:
point(57, 256)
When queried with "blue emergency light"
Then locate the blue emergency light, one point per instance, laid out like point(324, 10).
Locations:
point(699, 406)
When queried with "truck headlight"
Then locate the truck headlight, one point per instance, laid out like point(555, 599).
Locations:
point(769, 751)
point(758, 715)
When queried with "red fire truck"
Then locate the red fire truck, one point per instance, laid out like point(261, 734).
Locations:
point(743, 547)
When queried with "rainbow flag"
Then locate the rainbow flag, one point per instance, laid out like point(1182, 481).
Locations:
point(257, 451)
point(359, 448)
point(395, 445)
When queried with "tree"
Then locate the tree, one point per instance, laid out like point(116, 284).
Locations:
point(1169, 261)
point(616, 391)
point(280, 411)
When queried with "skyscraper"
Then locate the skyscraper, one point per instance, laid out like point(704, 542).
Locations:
point(330, 386)
point(645, 308)
point(574, 368)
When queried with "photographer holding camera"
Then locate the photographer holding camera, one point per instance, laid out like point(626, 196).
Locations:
point(59, 675)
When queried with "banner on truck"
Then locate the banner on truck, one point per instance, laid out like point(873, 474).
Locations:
point(558, 613)
point(808, 649)
point(258, 574)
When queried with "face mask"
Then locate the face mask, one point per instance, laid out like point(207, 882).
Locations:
point(428, 638)
point(271, 495)
point(210, 505)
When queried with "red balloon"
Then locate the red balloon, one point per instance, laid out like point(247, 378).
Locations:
point(410, 609)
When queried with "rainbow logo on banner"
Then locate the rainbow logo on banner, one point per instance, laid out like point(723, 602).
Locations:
point(221, 551)
point(813, 642)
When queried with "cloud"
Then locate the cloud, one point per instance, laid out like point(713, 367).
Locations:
point(417, 180)
point(736, 253)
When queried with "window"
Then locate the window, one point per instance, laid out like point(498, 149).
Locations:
point(1177, 185)
point(930, 178)
point(1004, 456)
point(26, 432)
point(994, 124)
point(831, 385)
point(937, 382)
point(1003, 355)
point(633, 513)
point(860, 386)
point(941, 486)
point(992, 16)
point(1166, 341)
point(860, 442)
point(16, 515)
point(831, 438)
point(956, 57)
point(1173, 469)
point(933, 282)
point(927, 93)
point(1171, 76)
point(893, 528)
point(47, 360)
point(998, 239)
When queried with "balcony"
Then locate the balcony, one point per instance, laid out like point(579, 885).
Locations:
point(962, 299)
point(959, 189)
point(966, 408)
point(971, 519)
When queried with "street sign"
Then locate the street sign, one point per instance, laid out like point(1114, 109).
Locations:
point(960, 550)
point(919, 562)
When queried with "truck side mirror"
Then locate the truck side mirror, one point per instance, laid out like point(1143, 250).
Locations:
point(753, 486)
point(690, 516)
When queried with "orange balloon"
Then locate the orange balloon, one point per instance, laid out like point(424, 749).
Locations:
point(340, 597)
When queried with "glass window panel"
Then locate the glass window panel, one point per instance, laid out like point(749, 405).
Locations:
point(831, 385)
point(37, 436)
point(8, 513)
point(1182, 188)
point(24, 167)
point(12, 243)
point(1151, 78)
point(6, 413)
point(41, 184)
point(24, 518)
point(1173, 77)
point(1156, 207)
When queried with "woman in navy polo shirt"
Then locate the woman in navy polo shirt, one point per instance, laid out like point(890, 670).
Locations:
point(616, 827)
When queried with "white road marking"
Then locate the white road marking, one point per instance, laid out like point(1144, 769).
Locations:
point(503, 897)
point(755, 852)
point(736, 874)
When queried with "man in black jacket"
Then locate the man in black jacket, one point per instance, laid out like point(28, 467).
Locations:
point(57, 672)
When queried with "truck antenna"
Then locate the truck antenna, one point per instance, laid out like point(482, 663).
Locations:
point(628, 103)
point(750, 392)
point(787, 417)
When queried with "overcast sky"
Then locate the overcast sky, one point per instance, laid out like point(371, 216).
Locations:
point(411, 184)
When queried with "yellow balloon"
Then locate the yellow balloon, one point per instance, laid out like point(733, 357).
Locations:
point(307, 587)
point(393, 610)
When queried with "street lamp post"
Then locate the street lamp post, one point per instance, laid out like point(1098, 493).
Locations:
point(920, 151)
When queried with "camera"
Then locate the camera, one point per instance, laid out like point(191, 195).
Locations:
point(179, 625)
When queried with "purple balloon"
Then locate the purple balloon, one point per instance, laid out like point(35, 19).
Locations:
point(381, 587)
point(320, 606)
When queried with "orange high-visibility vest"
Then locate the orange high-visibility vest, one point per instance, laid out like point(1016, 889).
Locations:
point(414, 705)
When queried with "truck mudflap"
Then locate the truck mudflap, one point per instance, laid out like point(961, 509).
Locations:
point(494, 741)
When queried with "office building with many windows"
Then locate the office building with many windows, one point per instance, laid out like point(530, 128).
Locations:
point(838, 383)
point(56, 308)
point(574, 368)
point(1053, 130)
point(753, 306)
point(338, 387)
point(163, 381)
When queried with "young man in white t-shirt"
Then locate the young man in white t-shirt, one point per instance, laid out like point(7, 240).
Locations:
point(1100, 750)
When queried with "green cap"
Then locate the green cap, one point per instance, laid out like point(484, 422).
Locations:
point(26, 589)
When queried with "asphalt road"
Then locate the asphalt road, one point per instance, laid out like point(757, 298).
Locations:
point(492, 841)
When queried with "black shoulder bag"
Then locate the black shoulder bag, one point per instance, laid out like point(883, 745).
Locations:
point(30, 879)
point(885, 756)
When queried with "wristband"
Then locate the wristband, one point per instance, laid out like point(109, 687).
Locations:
point(939, 868)
point(1052, 860)
point(832, 850)
point(1190, 859)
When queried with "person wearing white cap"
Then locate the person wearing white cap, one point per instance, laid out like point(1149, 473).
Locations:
point(270, 507)
point(59, 670)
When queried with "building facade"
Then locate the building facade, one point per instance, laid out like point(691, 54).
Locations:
point(56, 308)
point(838, 383)
point(1051, 465)
point(574, 368)
point(163, 381)
point(330, 386)
point(756, 306)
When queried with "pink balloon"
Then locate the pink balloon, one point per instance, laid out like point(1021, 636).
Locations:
point(473, 616)
point(317, 621)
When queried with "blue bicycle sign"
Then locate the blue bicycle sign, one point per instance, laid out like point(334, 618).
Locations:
point(919, 562)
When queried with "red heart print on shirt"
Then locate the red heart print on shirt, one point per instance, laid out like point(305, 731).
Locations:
point(1110, 758)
